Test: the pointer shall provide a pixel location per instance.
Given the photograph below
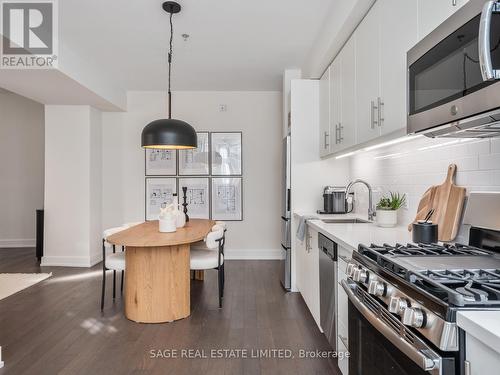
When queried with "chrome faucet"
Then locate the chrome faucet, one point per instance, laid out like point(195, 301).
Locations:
point(371, 210)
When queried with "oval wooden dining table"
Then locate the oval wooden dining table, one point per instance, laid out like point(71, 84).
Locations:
point(157, 283)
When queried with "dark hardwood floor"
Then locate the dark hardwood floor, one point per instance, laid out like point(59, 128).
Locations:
point(56, 326)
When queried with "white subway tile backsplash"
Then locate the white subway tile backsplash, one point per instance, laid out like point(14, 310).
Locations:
point(418, 167)
point(491, 161)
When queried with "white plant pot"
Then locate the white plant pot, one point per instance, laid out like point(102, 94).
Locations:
point(387, 218)
point(167, 225)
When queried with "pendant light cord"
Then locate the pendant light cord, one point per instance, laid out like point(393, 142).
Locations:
point(170, 67)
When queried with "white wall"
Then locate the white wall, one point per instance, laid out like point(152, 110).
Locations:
point(72, 186)
point(257, 114)
point(21, 168)
point(412, 167)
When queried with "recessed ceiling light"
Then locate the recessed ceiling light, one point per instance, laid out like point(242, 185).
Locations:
point(185, 37)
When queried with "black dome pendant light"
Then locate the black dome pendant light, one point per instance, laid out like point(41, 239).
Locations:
point(169, 133)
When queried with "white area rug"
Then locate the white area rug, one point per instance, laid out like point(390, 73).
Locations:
point(11, 283)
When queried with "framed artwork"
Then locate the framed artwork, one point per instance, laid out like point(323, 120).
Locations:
point(226, 153)
point(196, 162)
point(161, 162)
point(197, 196)
point(227, 199)
point(159, 192)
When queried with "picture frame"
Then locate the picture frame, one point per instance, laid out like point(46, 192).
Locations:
point(158, 192)
point(198, 196)
point(159, 162)
point(227, 198)
point(226, 153)
point(196, 162)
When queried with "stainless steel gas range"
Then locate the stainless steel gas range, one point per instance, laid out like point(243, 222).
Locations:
point(403, 301)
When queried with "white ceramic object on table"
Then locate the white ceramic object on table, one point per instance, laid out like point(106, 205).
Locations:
point(167, 225)
point(180, 218)
point(387, 218)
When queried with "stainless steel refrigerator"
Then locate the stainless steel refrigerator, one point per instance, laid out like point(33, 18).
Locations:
point(286, 217)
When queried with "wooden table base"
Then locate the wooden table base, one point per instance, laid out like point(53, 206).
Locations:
point(157, 285)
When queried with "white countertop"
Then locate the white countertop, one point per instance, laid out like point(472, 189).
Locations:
point(483, 325)
point(351, 235)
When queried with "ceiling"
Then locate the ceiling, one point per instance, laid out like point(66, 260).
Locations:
point(233, 44)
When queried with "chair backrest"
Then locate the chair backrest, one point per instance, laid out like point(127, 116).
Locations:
point(109, 232)
point(129, 225)
point(212, 239)
point(221, 223)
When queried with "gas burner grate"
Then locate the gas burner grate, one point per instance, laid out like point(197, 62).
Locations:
point(427, 250)
point(462, 287)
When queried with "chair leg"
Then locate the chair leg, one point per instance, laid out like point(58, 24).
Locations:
point(121, 286)
point(223, 280)
point(219, 274)
point(103, 287)
point(114, 284)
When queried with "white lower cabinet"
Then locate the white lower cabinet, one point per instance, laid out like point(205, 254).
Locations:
point(482, 358)
point(344, 256)
point(308, 272)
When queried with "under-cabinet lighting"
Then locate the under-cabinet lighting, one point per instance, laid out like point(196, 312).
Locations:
point(346, 155)
point(389, 156)
point(392, 142)
point(449, 143)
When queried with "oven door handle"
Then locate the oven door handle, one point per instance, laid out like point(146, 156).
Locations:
point(487, 71)
point(425, 362)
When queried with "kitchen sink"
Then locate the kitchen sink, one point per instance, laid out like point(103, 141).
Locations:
point(346, 221)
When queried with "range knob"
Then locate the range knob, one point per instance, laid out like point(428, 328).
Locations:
point(414, 317)
point(397, 305)
point(377, 288)
point(350, 269)
point(360, 275)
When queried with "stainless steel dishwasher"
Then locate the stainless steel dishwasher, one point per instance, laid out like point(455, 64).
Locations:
point(328, 288)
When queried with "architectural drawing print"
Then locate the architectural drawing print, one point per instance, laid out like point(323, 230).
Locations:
point(227, 199)
point(195, 162)
point(159, 193)
point(197, 196)
point(161, 162)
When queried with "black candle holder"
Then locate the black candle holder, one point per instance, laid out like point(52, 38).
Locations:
point(184, 198)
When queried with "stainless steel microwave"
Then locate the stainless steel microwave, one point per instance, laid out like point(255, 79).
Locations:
point(453, 75)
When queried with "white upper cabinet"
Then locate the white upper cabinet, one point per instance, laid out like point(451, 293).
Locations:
point(398, 33)
point(324, 114)
point(368, 76)
point(335, 104)
point(431, 13)
point(366, 93)
point(347, 128)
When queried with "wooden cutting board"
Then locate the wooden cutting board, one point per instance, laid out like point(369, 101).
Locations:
point(447, 200)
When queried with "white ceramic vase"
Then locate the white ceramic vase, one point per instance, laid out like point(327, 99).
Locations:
point(387, 218)
point(180, 218)
point(167, 225)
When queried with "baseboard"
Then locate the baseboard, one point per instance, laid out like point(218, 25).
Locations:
point(66, 261)
point(253, 254)
point(17, 243)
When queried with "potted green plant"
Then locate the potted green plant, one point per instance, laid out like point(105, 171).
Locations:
point(387, 209)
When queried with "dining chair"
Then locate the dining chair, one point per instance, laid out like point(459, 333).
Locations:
point(209, 254)
point(114, 261)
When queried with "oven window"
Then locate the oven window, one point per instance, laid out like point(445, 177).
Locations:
point(451, 70)
point(372, 354)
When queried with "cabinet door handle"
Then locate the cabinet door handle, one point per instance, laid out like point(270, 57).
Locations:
point(373, 121)
point(380, 106)
point(454, 3)
point(340, 132)
point(327, 144)
point(344, 341)
point(344, 258)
